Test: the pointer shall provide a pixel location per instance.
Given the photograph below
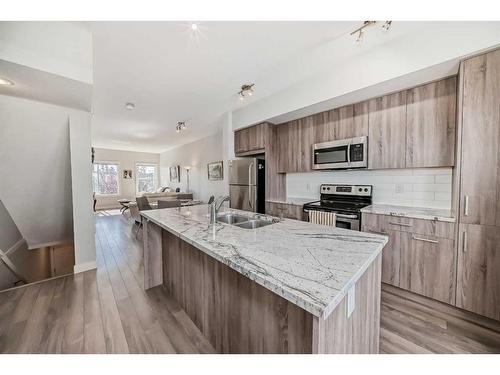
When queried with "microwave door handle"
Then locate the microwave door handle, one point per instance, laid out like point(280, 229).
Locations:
point(349, 153)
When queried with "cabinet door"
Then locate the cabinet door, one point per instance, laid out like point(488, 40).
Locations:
point(428, 267)
point(324, 126)
point(480, 187)
point(351, 121)
point(391, 254)
point(305, 142)
point(284, 148)
point(257, 137)
point(240, 141)
point(430, 124)
point(478, 279)
point(387, 131)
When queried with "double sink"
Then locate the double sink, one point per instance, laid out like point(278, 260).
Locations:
point(245, 222)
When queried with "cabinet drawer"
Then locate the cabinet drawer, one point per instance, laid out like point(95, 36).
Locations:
point(423, 227)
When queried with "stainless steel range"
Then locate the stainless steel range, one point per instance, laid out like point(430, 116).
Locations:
point(345, 200)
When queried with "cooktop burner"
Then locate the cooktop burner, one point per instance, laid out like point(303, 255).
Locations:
point(342, 198)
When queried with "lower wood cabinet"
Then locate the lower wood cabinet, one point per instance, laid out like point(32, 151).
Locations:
point(289, 211)
point(428, 267)
point(420, 255)
point(478, 281)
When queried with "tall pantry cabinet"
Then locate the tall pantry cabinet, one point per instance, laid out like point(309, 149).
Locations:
point(478, 276)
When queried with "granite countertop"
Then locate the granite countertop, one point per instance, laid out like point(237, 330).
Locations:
point(298, 201)
point(312, 266)
point(411, 212)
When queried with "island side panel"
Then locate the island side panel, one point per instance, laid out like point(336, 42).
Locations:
point(236, 314)
point(152, 239)
point(360, 332)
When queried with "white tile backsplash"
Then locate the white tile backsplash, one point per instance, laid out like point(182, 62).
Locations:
point(423, 187)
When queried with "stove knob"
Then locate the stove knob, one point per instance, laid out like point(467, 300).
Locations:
point(366, 189)
point(360, 189)
point(327, 188)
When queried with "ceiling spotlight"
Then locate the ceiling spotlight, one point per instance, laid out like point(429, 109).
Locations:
point(194, 26)
point(246, 89)
point(360, 36)
point(6, 82)
point(360, 30)
point(387, 25)
point(130, 106)
point(181, 125)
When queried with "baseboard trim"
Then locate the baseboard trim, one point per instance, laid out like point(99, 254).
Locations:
point(82, 267)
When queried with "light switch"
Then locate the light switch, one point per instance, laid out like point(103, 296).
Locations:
point(351, 300)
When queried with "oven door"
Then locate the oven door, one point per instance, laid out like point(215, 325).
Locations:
point(346, 221)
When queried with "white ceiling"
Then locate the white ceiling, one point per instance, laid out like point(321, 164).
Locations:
point(172, 74)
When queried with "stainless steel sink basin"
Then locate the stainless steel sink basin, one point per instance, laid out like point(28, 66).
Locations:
point(230, 218)
point(253, 224)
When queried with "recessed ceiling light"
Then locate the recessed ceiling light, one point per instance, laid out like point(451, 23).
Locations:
point(130, 106)
point(194, 26)
point(6, 82)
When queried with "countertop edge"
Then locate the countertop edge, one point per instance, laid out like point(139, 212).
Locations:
point(413, 215)
point(317, 310)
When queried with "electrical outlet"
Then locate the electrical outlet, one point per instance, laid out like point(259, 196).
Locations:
point(351, 300)
point(400, 188)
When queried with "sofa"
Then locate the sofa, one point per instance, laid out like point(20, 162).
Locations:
point(153, 198)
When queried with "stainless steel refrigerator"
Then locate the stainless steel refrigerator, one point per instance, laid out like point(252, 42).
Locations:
point(247, 184)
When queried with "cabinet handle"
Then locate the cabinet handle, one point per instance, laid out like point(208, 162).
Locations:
point(466, 206)
point(464, 242)
point(401, 224)
point(424, 239)
point(374, 231)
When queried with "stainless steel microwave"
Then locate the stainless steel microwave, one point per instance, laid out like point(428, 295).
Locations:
point(342, 154)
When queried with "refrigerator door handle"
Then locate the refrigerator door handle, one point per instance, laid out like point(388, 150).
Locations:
point(250, 185)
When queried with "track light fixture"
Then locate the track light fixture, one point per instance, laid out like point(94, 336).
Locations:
point(246, 90)
point(181, 125)
point(360, 31)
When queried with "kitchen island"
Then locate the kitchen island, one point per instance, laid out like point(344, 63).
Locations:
point(288, 287)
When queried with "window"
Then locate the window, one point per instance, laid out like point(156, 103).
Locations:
point(105, 178)
point(146, 178)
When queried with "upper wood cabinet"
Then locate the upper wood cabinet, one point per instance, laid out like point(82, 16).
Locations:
point(387, 131)
point(430, 124)
point(351, 121)
point(250, 139)
point(480, 169)
point(295, 140)
point(345, 122)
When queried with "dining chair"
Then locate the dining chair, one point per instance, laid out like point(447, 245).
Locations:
point(142, 205)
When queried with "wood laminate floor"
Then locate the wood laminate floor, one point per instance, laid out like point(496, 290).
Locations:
point(103, 311)
point(108, 311)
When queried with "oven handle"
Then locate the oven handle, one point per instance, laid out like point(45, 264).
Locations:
point(349, 153)
point(343, 216)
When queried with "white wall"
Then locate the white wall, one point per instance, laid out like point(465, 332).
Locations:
point(196, 155)
point(423, 187)
point(35, 174)
point(60, 48)
point(126, 160)
point(418, 45)
point(81, 182)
